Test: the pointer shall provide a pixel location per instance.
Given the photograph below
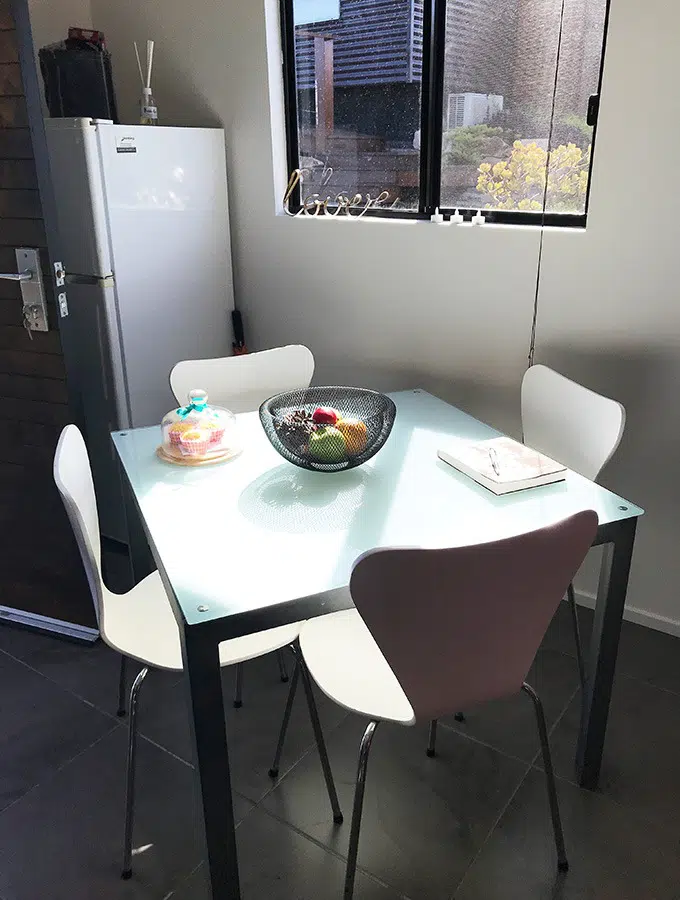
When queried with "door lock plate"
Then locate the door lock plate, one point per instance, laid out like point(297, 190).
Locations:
point(33, 290)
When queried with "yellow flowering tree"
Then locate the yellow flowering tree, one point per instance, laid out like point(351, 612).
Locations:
point(518, 183)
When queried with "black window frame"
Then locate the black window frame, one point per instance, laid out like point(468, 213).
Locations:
point(431, 127)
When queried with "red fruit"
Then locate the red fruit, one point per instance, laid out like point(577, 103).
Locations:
point(325, 415)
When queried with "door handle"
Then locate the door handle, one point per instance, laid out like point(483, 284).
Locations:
point(17, 276)
point(29, 277)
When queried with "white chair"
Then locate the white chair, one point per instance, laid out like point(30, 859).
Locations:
point(141, 625)
point(434, 630)
point(575, 426)
point(242, 384)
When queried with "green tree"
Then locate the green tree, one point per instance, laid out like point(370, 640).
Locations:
point(469, 144)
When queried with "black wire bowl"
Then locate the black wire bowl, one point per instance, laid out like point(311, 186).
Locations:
point(365, 420)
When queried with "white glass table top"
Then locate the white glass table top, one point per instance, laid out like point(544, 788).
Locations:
point(244, 535)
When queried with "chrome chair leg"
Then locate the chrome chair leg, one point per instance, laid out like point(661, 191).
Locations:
point(351, 870)
point(274, 771)
point(318, 735)
point(562, 862)
point(130, 788)
point(122, 684)
point(282, 666)
point(432, 739)
point(577, 635)
point(238, 693)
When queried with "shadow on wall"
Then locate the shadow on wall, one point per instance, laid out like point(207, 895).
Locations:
point(491, 398)
point(180, 104)
point(638, 377)
point(644, 469)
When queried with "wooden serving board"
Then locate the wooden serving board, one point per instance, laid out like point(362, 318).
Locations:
point(188, 461)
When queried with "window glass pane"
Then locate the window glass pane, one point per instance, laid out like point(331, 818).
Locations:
point(358, 76)
point(499, 83)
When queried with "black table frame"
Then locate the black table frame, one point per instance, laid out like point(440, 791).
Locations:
point(202, 677)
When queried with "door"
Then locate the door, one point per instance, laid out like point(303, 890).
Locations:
point(42, 583)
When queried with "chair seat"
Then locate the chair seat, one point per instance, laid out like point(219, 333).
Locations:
point(142, 626)
point(349, 667)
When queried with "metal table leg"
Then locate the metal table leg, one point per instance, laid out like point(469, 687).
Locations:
point(202, 678)
point(611, 597)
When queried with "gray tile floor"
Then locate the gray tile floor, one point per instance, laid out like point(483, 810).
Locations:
point(472, 823)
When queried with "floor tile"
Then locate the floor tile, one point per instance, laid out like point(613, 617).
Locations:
point(640, 765)
point(277, 863)
point(63, 841)
point(613, 854)
point(43, 727)
point(650, 656)
point(90, 671)
point(424, 819)
point(427, 822)
point(644, 653)
point(509, 725)
point(252, 730)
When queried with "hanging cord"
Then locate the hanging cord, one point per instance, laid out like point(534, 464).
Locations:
point(534, 319)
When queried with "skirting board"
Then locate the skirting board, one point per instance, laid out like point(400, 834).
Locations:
point(46, 624)
point(633, 614)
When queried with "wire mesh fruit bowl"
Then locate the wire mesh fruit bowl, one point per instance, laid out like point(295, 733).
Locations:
point(328, 429)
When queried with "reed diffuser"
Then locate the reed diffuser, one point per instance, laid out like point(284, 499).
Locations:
point(148, 114)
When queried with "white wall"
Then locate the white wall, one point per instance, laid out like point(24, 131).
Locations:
point(50, 19)
point(391, 304)
point(610, 310)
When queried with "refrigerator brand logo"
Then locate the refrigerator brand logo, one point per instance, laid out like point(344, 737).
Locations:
point(125, 145)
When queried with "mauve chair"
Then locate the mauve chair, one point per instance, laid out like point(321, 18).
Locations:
point(439, 630)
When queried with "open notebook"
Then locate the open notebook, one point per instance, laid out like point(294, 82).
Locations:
point(503, 465)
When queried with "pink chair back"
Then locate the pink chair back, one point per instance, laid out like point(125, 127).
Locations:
point(462, 626)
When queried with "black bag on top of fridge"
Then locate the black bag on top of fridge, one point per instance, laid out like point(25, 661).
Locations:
point(77, 78)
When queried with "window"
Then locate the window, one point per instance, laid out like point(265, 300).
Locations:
point(457, 104)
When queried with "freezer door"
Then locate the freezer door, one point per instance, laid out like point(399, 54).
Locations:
point(76, 178)
point(166, 201)
point(91, 308)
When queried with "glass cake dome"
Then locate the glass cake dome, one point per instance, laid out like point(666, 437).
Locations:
point(198, 432)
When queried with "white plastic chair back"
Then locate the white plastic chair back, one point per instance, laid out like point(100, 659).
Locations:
point(73, 477)
point(569, 422)
point(242, 383)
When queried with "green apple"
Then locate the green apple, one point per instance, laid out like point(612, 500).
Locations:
point(327, 445)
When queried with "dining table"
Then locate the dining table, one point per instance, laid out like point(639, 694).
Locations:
point(255, 542)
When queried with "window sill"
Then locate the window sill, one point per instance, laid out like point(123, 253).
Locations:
point(401, 221)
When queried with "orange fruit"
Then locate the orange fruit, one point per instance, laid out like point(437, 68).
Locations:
point(354, 433)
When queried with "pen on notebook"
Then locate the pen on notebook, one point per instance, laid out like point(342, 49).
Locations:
point(494, 460)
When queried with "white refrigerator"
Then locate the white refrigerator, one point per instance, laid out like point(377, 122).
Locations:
point(144, 229)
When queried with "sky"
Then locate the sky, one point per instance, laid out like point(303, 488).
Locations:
point(307, 11)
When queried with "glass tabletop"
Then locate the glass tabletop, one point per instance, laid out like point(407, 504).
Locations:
point(244, 535)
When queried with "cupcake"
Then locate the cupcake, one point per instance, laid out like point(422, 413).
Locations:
point(194, 442)
point(216, 432)
point(177, 429)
